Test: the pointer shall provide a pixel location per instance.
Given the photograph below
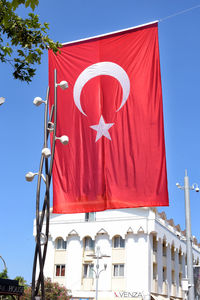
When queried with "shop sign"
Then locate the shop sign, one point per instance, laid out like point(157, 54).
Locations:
point(10, 287)
point(125, 294)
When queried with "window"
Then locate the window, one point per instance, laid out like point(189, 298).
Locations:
point(180, 279)
point(89, 243)
point(180, 258)
point(155, 272)
point(164, 249)
point(154, 244)
point(60, 270)
point(87, 271)
point(173, 253)
point(119, 242)
point(118, 270)
point(173, 277)
point(164, 274)
point(89, 217)
point(61, 244)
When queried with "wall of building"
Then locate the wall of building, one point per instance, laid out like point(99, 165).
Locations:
point(152, 258)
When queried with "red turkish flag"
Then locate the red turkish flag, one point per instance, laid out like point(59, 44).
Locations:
point(112, 113)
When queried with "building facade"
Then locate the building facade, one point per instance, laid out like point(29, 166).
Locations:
point(145, 254)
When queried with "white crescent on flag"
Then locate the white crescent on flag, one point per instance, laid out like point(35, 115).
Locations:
point(101, 68)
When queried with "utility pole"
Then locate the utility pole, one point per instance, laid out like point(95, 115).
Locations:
point(190, 274)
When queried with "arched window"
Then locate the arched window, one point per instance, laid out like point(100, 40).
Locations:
point(118, 242)
point(61, 244)
point(88, 243)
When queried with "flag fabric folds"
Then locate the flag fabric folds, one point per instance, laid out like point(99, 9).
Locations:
point(112, 113)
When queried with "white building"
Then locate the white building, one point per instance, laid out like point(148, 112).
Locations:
point(147, 254)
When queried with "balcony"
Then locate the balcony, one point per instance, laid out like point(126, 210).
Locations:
point(87, 284)
point(154, 256)
point(180, 268)
point(180, 292)
point(164, 288)
point(155, 286)
point(172, 265)
point(173, 290)
point(118, 283)
point(164, 261)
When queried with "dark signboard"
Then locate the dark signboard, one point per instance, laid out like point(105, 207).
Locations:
point(10, 287)
point(197, 282)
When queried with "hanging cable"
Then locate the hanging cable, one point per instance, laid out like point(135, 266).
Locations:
point(179, 13)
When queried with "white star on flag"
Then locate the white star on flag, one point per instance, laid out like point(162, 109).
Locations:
point(102, 129)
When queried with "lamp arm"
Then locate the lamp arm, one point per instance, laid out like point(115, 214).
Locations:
point(101, 271)
point(94, 271)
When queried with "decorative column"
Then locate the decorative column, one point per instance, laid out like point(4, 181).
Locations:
point(176, 262)
point(169, 269)
point(160, 265)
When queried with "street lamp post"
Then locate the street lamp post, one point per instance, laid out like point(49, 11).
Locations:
point(46, 166)
point(4, 263)
point(97, 272)
point(2, 100)
point(5, 267)
point(190, 274)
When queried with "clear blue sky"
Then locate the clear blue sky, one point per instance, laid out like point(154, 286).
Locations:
point(21, 123)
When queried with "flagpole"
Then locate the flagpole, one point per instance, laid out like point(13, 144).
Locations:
point(110, 33)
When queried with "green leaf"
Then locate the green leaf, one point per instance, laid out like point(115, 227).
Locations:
point(25, 38)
